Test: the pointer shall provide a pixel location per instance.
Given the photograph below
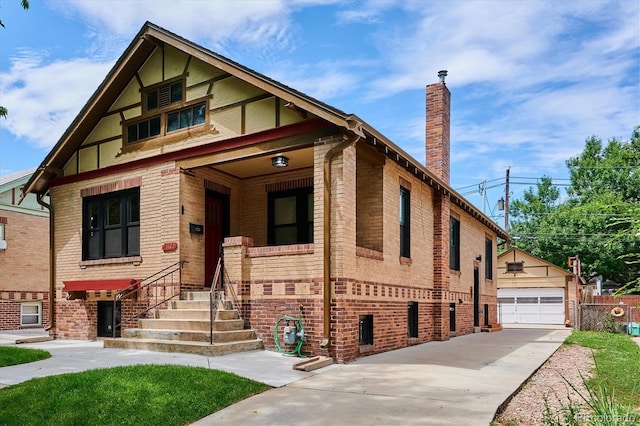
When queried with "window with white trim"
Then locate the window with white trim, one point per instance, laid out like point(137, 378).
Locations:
point(30, 313)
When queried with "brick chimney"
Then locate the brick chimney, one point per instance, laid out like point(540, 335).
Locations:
point(437, 128)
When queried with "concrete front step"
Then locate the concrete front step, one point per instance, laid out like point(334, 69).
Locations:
point(186, 327)
point(200, 348)
point(186, 314)
point(174, 324)
point(195, 295)
point(190, 336)
point(188, 324)
point(196, 314)
point(189, 304)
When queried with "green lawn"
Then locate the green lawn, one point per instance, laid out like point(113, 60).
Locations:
point(617, 360)
point(11, 355)
point(142, 394)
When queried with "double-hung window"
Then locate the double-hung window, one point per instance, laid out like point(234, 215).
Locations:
point(454, 244)
point(488, 258)
point(290, 216)
point(111, 225)
point(405, 222)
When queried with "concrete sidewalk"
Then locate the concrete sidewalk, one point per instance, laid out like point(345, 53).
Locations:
point(460, 381)
point(72, 356)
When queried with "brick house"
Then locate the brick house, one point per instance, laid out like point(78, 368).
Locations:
point(309, 206)
point(24, 256)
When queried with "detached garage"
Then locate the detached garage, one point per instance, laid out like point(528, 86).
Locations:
point(531, 305)
point(533, 291)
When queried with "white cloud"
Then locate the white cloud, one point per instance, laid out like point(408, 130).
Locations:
point(44, 98)
point(213, 22)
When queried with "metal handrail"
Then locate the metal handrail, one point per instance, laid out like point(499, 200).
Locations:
point(146, 284)
point(234, 297)
point(214, 297)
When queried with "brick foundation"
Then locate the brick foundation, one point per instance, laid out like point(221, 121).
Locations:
point(386, 302)
point(10, 302)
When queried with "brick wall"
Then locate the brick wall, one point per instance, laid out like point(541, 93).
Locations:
point(159, 216)
point(10, 303)
point(369, 205)
point(78, 319)
point(24, 266)
point(377, 282)
point(265, 301)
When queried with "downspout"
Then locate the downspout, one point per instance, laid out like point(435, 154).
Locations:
point(327, 236)
point(52, 287)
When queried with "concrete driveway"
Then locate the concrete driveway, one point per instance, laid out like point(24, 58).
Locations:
point(462, 381)
point(459, 382)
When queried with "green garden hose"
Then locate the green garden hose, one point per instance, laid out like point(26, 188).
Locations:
point(299, 340)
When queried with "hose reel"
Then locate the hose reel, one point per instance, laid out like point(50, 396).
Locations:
point(292, 334)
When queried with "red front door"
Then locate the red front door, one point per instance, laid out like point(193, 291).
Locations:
point(213, 234)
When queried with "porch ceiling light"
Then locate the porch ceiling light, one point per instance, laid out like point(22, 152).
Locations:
point(279, 161)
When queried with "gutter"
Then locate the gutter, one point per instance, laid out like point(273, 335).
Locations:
point(327, 294)
point(52, 287)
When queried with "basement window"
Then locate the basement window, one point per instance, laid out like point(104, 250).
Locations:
point(366, 330)
point(30, 313)
point(412, 319)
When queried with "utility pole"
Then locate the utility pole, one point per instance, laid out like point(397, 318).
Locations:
point(506, 203)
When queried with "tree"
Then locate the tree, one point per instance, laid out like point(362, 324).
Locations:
point(597, 219)
point(25, 6)
point(612, 168)
point(632, 259)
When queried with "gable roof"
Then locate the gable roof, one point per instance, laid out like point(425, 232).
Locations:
point(12, 180)
point(145, 42)
point(539, 259)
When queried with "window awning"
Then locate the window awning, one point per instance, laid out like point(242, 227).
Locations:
point(84, 285)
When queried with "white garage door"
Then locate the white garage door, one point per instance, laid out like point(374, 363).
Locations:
point(531, 305)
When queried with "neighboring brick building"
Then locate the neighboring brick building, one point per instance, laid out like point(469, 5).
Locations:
point(180, 147)
point(24, 256)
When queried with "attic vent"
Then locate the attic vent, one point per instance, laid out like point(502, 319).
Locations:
point(163, 96)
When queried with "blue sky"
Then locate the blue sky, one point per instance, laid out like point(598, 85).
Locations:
point(530, 80)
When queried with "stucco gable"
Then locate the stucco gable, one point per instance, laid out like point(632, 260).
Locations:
point(515, 254)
